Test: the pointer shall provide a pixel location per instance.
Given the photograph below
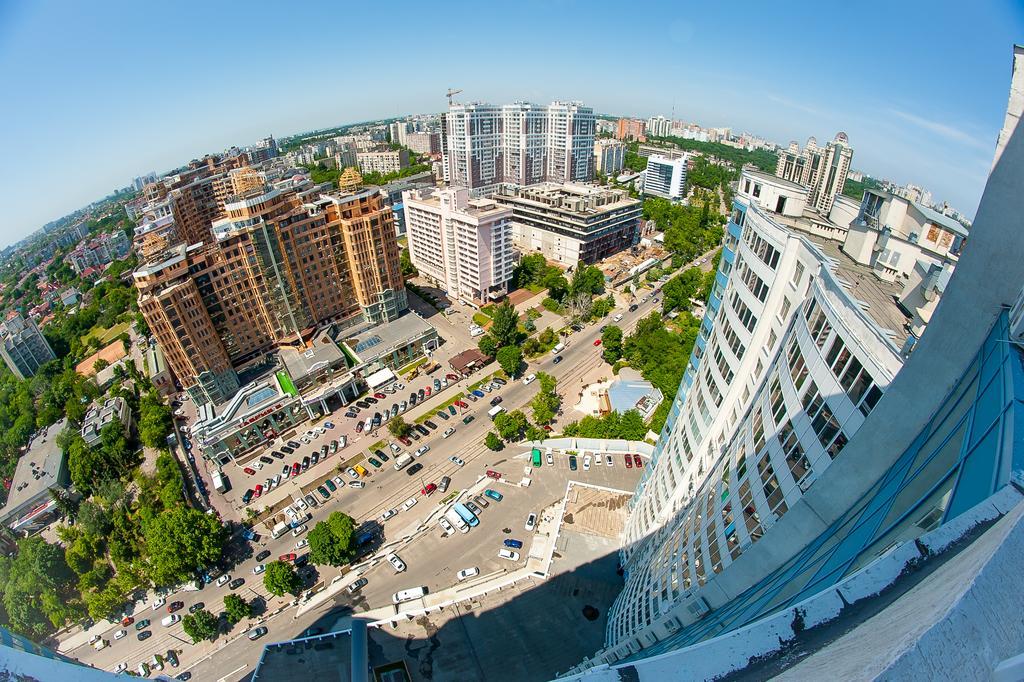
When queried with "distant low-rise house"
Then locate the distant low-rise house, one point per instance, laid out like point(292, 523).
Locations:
point(99, 416)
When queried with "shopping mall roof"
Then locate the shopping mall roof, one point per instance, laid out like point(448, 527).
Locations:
point(38, 469)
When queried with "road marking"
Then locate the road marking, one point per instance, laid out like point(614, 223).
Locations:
point(230, 674)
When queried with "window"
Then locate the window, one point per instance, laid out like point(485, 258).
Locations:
point(746, 317)
point(786, 305)
point(798, 274)
point(757, 192)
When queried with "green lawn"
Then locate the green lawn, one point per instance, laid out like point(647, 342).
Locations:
point(481, 319)
point(412, 365)
point(105, 336)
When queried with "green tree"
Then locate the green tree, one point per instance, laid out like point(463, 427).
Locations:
point(493, 441)
point(505, 325)
point(399, 428)
point(155, 423)
point(557, 285)
point(678, 291)
point(236, 608)
point(405, 261)
point(535, 433)
point(586, 279)
point(510, 424)
point(180, 542)
point(546, 403)
point(510, 358)
point(200, 625)
point(488, 345)
point(611, 341)
point(333, 541)
point(36, 586)
point(280, 578)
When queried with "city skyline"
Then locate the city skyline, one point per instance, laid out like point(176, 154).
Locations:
point(127, 105)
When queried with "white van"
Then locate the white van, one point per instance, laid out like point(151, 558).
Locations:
point(559, 347)
point(170, 620)
point(409, 595)
point(529, 379)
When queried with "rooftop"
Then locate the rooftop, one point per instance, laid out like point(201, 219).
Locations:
point(37, 469)
point(567, 197)
point(631, 392)
point(319, 353)
point(370, 341)
point(771, 177)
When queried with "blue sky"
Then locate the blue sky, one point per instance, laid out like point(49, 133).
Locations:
point(96, 93)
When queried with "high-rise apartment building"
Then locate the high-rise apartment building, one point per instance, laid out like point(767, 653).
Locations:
point(383, 162)
point(609, 156)
point(822, 169)
point(424, 143)
point(666, 177)
point(659, 126)
point(24, 348)
point(569, 223)
point(462, 244)
point(522, 144)
point(278, 267)
point(631, 129)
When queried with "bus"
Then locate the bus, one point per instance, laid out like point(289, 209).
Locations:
point(536, 458)
point(466, 515)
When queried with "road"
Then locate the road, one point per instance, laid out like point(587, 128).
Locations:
point(386, 489)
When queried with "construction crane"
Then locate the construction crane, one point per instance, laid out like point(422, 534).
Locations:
point(452, 93)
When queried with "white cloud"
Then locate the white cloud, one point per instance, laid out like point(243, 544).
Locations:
point(943, 130)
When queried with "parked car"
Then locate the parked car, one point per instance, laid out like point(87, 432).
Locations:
point(356, 484)
point(467, 419)
point(493, 474)
point(457, 461)
point(481, 501)
point(431, 425)
point(421, 450)
point(310, 500)
point(473, 508)
point(287, 557)
point(558, 359)
point(422, 429)
point(323, 492)
point(628, 460)
point(429, 490)
point(330, 485)
point(375, 462)
point(442, 415)
point(442, 486)
point(144, 635)
point(142, 624)
point(446, 526)
point(388, 514)
point(478, 393)
point(448, 432)
point(531, 522)
point(250, 471)
point(256, 633)
point(467, 573)
point(356, 586)
point(263, 555)
point(508, 554)
point(495, 400)
point(258, 568)
point(199, 606)
point(305, 462)
point(514, 544)
point(414, 469)
point(396, 562)
point(236, 583)
point(572, 462)
point(494, 495)
point(451, 410)
point(175, 606)
point(637, 462)
point(266, 460)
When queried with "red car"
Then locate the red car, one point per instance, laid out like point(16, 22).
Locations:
point(597, 342)
point(463, 404)
point(405, 441)
point(296, 469)
point(258, 490)
point(431, 487)
point(637, 461)
point(451, 377)
point(127, 620)
point(251, 472)
point(493, 474)
point(379, 396)
point(629, 461)
point(547, 428)
point(287, 557)
point(175, 606)
point(426, 391)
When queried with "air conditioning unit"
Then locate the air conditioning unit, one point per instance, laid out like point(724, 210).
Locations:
point(698, 607)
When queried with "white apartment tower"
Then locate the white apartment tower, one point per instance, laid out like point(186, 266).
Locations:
point(666, 177)
point(462, 244)
point(486, 145)
point(659, 126)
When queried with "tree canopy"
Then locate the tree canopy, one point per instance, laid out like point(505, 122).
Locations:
point(200, 625)
point(611, 342)
point(510, 358)
point(236, 608)
point(505, 325)
point(37, 588)
point(629, 426)
point(180, 542)
point(510, 425)
point(280, 579)
point(332, 541)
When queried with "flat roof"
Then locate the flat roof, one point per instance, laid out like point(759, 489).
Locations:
point(37, 469)
point(321, 351)
point(369, 340)
point(771, 177)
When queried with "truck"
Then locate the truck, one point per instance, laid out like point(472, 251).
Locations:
point(218, 481)
point(467, 516)
point(559, 347)
point(456, 520)
point(495, 411)
point(279, 530)
point(430, 367)
point(402, 461)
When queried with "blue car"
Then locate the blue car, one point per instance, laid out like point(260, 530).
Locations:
point(514, 544)
point(494, 495)
point(478, 393)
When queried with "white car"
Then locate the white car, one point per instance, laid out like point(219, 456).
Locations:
point(396, 562)
point(449, 432)
point(618, 318)
point(338, 482)
point(352, 472)
point(529, 379)
point(508, 554)
point(296, 532)
point(388, 514)
point(457, 461)
point(409, 504)
point(258, 568)
point(467, 573)
point(356, 484)
point(121, 667)
point(531, 522)
point(597, 460)
point(301, 504)
point(223, 580)
point(120, 634)
point(257, 465)
point(586, 463)
point(551, 460)
point(302, 543)
point(159, 604)
point(445, 526)
point(421, 450)
point(395, 448)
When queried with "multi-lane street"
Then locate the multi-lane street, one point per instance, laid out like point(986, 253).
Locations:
point(233, 655)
